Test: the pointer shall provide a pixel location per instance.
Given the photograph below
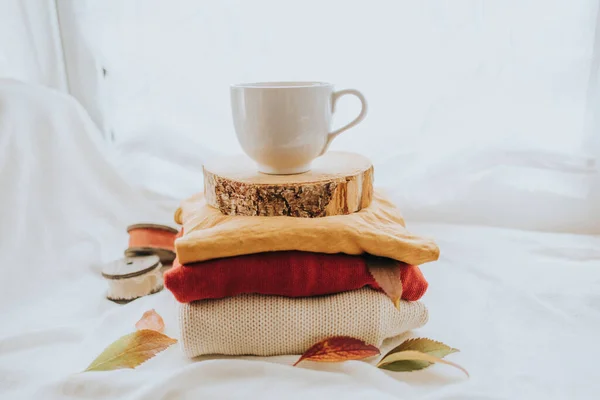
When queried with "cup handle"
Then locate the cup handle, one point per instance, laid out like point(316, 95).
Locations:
point(363, 112)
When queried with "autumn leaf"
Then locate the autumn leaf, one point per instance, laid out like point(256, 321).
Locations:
point(416, 354)
point(131, 350)
point(339, 348)
point(386, 273)
point(425, 345)
point(151, 320)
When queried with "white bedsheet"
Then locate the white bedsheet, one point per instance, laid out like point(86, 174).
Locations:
point(523, 307)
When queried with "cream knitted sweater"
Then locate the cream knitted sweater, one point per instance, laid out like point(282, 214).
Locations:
point(275, 325)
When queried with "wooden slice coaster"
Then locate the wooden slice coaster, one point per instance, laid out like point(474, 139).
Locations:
point(339, 183)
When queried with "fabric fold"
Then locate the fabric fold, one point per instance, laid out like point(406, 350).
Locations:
point(275, 325)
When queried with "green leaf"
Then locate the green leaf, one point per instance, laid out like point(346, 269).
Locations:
point(413, 355)
point(425, 345)
point(405, 366)
point(131, 350)
point(435, 349)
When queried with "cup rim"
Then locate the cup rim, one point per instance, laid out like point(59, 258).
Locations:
point(281, 85)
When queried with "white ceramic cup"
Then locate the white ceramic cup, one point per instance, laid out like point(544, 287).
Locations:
point(284, 126)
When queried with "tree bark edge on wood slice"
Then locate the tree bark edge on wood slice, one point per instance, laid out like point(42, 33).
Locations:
point(339, 183)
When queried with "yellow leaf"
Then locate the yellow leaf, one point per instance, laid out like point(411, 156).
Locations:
point(131, 350)
point(413, 355)
point(151, 320)
point(386, 273)
point(339, 348)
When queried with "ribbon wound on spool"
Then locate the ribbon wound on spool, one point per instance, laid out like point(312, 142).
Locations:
point(152, 239)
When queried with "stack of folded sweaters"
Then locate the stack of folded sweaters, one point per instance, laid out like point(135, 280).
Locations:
point(249, 285)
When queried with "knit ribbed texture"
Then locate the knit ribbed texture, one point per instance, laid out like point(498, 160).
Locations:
point(274, 325)
point(378, 230)
point(282, 273)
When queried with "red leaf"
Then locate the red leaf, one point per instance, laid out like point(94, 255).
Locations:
point(339, 348)
point(386, 273)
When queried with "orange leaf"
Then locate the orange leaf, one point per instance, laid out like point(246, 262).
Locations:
point(151, 320)
point(339, 348)
point(386, 273)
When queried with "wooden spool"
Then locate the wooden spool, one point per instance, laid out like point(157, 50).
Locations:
point(132, 277)
point(147, 239)
point(339, 183)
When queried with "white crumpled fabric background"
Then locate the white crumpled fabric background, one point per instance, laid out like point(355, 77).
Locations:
point(522, 306)
point(483, 126)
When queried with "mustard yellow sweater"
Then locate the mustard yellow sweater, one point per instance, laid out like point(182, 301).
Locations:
point(378, 230)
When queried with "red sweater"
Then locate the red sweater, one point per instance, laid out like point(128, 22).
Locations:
point(283, 273)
